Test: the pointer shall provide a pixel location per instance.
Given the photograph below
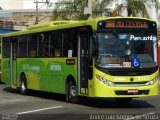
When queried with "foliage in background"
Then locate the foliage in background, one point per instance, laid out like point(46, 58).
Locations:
point(74, 9)
point(134, 8)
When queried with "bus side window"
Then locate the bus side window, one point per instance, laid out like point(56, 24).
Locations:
point(70, 42)
point(32, 45)
point(56, 44)
point(33, 53)
point(52, 52)
point(44, 46)
point(57, 53)
point(6, 48)
point(22, 46)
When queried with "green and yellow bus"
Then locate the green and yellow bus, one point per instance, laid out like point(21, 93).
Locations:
point(112, 57)
point(0, 59)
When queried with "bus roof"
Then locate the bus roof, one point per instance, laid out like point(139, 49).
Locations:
point(55, 25)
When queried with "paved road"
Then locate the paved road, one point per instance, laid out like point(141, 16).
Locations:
point(49, 106)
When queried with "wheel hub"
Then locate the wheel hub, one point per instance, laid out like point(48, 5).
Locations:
point(73, 91)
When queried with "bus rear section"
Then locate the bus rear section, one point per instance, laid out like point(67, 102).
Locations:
point(125, 63)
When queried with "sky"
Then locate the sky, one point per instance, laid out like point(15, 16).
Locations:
point(28, 4)
point(23, 4)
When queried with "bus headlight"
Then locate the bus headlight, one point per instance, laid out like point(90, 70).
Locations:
point(152, 81)
point(105, 81)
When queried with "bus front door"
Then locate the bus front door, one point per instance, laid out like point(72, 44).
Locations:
point(13, 65)
point(83, 46)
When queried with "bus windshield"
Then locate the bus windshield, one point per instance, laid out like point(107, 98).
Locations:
point(126, 49)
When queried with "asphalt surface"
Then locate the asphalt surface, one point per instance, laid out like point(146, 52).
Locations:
point(48, 106)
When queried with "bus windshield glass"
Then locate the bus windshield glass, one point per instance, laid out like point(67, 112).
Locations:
point(126, 49)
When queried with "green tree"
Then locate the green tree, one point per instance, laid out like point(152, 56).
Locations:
point(99, 8)
point(74, 9)
point(69, 9)
point(136, 8)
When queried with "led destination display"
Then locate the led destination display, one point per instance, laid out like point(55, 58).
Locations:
point(127, 23)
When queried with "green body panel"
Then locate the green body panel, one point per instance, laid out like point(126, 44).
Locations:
point(6, 71)
point(48, 74)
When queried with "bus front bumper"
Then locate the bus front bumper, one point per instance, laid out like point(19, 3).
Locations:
point(102, 90)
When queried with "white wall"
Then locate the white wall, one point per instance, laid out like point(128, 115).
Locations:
point(29, 4)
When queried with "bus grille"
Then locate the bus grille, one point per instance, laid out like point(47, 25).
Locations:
point(140, 92)
point(119, 84)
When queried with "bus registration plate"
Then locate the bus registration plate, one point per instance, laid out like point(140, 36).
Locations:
point(133, 91)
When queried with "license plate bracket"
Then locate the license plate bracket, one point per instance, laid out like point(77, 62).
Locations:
point(134, 91)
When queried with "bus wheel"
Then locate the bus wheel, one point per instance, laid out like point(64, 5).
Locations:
point(71, 92)
point(124, 100)
point(23, 85)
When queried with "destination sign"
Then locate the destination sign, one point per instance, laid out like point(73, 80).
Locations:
point(127, 23)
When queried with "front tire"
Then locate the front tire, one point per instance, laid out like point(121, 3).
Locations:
point(71, 92)
point(23, 85)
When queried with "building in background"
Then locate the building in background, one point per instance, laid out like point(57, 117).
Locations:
point(25, 17)
point(6, 26)
point(14, 12)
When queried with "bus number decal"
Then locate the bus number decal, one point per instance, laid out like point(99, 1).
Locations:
point(55, 67)
point(143, 78)
point(28, 67)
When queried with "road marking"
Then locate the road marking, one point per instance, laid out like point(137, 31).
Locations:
point(4, 101)
point(139, 116)
point(39, 110)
